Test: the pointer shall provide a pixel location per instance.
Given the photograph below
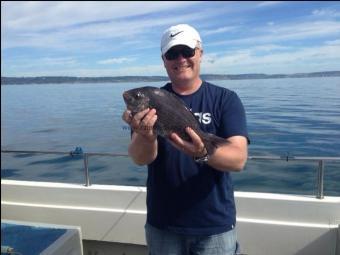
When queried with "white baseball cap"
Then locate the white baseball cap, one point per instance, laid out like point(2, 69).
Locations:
point(181, 34)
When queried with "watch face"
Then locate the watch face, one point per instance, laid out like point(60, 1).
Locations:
point(202, 159)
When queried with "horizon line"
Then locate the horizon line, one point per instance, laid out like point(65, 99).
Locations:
point(167, 76)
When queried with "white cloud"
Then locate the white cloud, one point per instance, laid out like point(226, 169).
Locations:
point(326, 12)
point(288, 32)
point(38, 15)
point(333, 42)
point(70, 25)
point(272, 61)
point(70, 36)
point(218, 30)
point(98, 72)
point(271, 47)
point(269, 3)
point(116, 61)
point(50, 66)
point(141, 70)
point(253, 59)
point(57, 61)
point(45, 62)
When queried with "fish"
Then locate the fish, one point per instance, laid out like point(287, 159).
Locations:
point(172, 115)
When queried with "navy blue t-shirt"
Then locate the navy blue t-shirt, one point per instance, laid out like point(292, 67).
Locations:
point(188, 197)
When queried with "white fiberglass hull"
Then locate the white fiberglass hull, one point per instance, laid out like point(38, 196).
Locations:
point(272, 224)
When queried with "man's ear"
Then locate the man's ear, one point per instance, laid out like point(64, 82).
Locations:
point(201, 52)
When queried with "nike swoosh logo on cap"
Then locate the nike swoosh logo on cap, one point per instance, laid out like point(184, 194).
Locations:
point(173, 35)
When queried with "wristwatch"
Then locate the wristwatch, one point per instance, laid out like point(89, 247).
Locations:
point(202, 159)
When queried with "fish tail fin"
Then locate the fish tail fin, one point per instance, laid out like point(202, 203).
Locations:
point(212, 141)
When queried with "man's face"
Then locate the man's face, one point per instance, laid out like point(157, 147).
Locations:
point(184, 67)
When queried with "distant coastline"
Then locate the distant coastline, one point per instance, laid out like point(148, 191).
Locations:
point(114, 79)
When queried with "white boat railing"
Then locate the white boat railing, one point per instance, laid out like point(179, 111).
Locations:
point(79, 152)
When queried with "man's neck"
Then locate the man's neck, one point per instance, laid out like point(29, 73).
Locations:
point(186, 88)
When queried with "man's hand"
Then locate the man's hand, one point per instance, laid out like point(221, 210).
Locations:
point(142, 122)
point(230, 157)
point(143, 147)
point(195, 148)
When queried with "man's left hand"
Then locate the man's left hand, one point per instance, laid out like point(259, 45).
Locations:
point(195, 148)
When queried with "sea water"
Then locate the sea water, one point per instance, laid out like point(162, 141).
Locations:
point(294, 117)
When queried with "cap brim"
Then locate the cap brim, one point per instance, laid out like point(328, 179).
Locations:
point(190, 43)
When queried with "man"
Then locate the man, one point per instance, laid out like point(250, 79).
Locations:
point(190, 201)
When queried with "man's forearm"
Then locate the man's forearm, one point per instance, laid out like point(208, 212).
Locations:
point(230, 157)
point(227, 158)
point(143, 150)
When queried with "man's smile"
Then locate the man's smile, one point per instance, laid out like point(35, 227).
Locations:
point(181, 67)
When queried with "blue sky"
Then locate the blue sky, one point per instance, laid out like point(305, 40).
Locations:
point(123, 38)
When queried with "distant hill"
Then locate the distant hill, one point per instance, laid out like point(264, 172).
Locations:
point(69, 79)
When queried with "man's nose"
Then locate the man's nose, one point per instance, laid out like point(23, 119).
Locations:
point(180, 57)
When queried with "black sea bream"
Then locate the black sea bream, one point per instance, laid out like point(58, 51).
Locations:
point(172, 114)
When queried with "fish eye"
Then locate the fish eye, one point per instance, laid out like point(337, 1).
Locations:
point(139, 94)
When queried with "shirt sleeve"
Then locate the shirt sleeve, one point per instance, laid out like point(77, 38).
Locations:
point(233, 118)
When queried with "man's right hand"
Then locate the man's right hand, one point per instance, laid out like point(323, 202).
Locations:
point(142, 122)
